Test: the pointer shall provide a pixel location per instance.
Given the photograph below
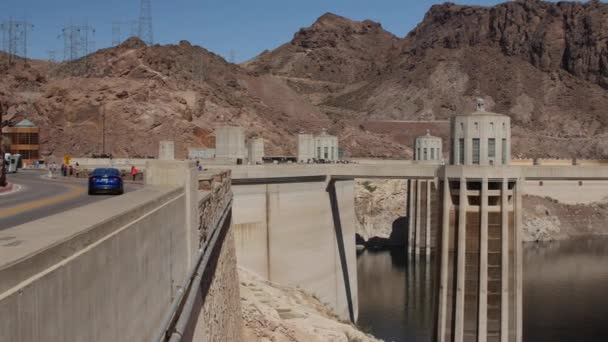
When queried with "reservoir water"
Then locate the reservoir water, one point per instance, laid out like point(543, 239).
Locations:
point(565, 293)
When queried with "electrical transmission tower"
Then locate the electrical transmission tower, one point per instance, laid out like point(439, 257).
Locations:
point(198, 71)
point(129, 27)
point(145, 32)
point(14, 38)
point(51, 54)
point(116, 38)
point(78, 42)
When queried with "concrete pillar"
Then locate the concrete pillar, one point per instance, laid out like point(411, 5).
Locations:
point(179, 173)
point(444, 255)
point(411, 215)
point(418, 223)
point(166, 150)
point(518, 260)
point(460, 263)
point(483, 265)
point(429, 184)
point(504, 298)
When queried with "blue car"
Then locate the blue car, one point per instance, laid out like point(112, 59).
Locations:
point(105, 180)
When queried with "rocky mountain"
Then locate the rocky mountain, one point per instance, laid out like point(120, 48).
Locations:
point(543, 63)
point(146, 94)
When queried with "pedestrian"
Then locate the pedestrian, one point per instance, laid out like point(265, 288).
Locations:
point(71, 169)
point(63, 170)
point(133, 172)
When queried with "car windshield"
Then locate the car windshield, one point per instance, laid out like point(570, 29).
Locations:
point(106, 172)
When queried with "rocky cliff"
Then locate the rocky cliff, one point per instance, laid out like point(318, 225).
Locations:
point(277, 313)
point(381, 211)
point(380, 208)
point(545, 219)
point(542, 63)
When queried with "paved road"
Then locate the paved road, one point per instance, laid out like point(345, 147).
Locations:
point(41, 197)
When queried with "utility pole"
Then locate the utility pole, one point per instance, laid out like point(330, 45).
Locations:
point(3, 167)
point(103, 129)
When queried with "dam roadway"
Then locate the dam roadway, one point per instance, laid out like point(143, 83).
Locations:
point(38, 197)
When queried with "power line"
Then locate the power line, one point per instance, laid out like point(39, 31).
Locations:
point(78, 42)
point(145, 31)
point(14, 38)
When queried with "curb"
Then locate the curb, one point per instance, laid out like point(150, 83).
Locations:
point(10, 189)
point(7, 188)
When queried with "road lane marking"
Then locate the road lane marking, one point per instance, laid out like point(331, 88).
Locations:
point(75, 192)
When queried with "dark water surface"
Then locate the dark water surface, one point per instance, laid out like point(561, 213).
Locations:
point(565, 293)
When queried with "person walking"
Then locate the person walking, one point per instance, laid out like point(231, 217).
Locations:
point(133, 172)
point(71, 170)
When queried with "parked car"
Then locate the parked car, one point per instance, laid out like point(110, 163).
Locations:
point(105, 180)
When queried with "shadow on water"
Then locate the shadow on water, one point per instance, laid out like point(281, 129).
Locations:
point(565, 293)
point(396, 295)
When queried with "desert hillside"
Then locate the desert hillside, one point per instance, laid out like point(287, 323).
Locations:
point(545, 64)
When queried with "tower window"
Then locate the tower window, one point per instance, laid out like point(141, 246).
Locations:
point(476, 151)
point(425, 154)
point(491, 148)
point(418, 154)
point(432, 154)
point(461, 151)
point(504, 151)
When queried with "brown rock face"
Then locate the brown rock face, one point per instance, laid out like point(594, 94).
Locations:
point(571, 36)
point(545, 64)
point(333, 49)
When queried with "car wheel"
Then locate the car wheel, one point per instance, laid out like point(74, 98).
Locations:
point(91, 192)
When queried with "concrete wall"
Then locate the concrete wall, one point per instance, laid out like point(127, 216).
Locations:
point(111, 271)
point(219, 317)
point(230, 142)
point(113, 287)
point(121, 163)
point(201, 153)
point(285, 233)
point(569, 191)
point(255, 151)
point(306, 147)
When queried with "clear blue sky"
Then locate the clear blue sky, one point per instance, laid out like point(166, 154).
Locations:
point(246, 26)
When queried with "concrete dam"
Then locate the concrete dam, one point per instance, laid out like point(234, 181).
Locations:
point(160, 263)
